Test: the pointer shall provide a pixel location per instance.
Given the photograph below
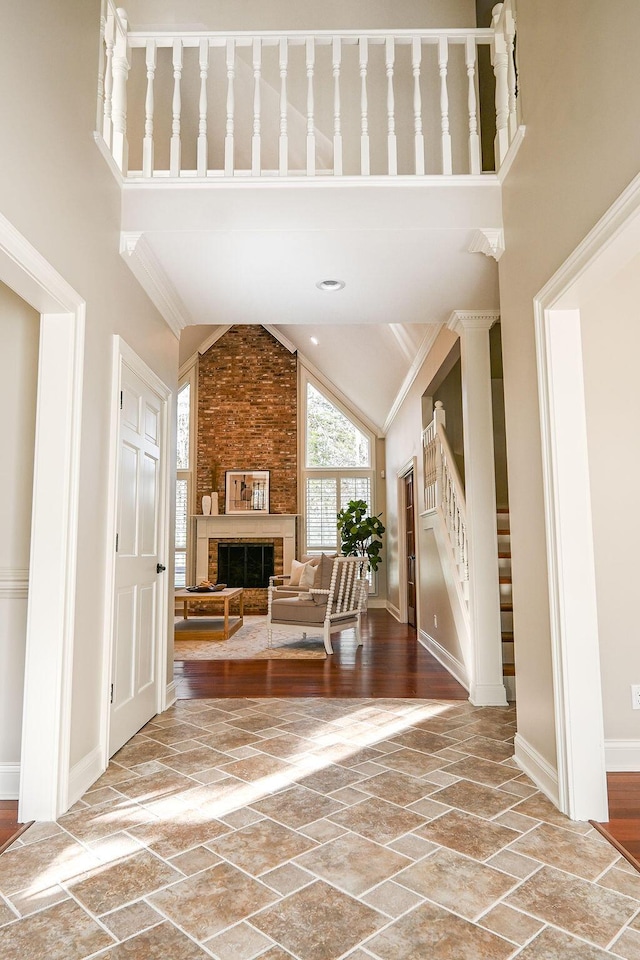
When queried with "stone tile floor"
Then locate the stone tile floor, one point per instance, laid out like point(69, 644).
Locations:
point(317, 829)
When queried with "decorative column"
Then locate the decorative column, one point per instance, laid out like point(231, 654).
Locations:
point(487, 686)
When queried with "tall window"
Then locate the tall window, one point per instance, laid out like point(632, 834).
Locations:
point(338, 468)
point(183, 483)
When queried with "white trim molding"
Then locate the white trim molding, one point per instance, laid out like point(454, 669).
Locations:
point(170, 694)
point(512, 153)
point(488, 240)
point(622, 755)
point(428, 341)
point(136, 250)
point(394, 611)
point(9, 781)
point(537, 768)
point(442, 655)
point(84, 773)
point(14, 584)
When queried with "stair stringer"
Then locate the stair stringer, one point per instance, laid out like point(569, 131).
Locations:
point(434, 520)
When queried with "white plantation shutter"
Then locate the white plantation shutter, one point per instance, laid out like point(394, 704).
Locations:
point(355, 488)
point(182, 514)
point(321, 511)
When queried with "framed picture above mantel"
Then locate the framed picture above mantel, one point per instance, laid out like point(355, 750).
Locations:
point(246, 491)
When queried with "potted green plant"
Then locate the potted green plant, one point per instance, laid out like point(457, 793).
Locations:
point(360, 536)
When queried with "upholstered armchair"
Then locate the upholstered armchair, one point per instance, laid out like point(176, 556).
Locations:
point(332, 604)
point(303, 576)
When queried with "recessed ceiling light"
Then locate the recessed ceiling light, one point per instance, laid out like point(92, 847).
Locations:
point(330, 285)
point(314, 341)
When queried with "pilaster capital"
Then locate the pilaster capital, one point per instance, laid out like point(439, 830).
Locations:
point(462, 321)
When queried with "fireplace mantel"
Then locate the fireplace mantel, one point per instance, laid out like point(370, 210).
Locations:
point(235, 526)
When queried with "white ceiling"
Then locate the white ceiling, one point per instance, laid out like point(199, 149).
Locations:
point(253, 253)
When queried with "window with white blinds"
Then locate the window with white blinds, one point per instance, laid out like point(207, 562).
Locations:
point(184, 481)
point(324, 496)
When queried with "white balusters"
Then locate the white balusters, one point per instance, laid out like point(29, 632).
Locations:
point(443, 60)
point(392, 148)
point(443, 490)
point(109, 43)
point(500, 61)
point(283, 144)
point(120, 67)
point(475, 166)
point(147, 143)
point(416, 60)
point(101, 65)
point(202, 123)
point(337, 118)
point(229, 129)
point(310, 49)
point(510, 35)
point(257, 82)
point(365, 162)
point(176, 147)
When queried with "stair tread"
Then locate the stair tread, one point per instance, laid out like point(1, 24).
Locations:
point(502, 510)
point(504, 579)
point(507, 636)
point(508, 669)
point(503, 533)
point(504, 556)
point(506, 605)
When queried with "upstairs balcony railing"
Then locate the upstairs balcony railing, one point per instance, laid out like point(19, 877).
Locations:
point(350, 103)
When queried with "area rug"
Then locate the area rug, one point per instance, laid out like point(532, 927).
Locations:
point(250, 643)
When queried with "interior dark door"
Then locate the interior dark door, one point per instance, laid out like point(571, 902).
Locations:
point(410, 549)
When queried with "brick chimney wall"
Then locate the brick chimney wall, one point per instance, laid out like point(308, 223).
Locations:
point(248, 414)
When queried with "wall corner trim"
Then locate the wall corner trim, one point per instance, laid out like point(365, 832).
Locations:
point(449, 662)
point(537, 768)
point(84, 773)
point(9, 781)
point(170, 695)
point(136, 250)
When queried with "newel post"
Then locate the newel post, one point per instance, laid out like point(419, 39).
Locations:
point(500, 61)
point(487, 685)
point(439, 419)
point(120, 69)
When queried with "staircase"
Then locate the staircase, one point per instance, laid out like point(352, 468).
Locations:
point(506, 603)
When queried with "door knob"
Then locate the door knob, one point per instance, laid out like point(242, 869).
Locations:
point(160, 568)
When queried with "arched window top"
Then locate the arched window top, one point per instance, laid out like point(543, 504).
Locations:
point(333, 441)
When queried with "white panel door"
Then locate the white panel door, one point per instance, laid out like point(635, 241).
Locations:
point(135, 643)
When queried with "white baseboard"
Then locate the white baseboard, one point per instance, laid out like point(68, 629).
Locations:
point(84, 773)
point(488, 695)
point(622, 755)
point(394, 611)
point(443, 656)
point(170, 695)
point(535, 766)
point(9, 781)
point(376, 603)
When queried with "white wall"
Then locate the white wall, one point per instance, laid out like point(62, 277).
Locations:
point(58, 192)
point(580, 151)
point(611, 347)
point(19, 333)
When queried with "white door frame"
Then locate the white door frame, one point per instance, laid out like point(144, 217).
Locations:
point(123, 355)
point(46, 724)
point(582, 786)
point(410, 465)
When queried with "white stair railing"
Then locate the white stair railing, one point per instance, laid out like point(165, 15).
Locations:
point(322, 103)
point(443, 489)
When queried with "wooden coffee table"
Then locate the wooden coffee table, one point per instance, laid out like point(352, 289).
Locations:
point(202, 633)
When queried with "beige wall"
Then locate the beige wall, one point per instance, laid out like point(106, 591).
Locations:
point(19, 334)
point(577, 64)
point(57, 191)
point(611, 347)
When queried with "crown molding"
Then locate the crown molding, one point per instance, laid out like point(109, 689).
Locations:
point(427, 342)
point(148, 271)
point(488, 240)
point(461, 321)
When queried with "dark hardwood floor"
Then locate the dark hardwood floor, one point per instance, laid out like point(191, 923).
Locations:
point(623, 826)
point(391, 663)
point(10, 829)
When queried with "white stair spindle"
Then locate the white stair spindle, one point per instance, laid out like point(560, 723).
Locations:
point(175, 151)
point(120, 65)
point(500, 61)
point(474, 139)
point(202, 124)
point(257, 81)
point(229, 131)
point(365, 161)
point(416, 59)
point(109, 43)
point(337, 120)
point(443, 60)
point(147, 143)
point(311, 133)
point(510, 32)
point(283, 146)
point(392, 146)
point(101, 63)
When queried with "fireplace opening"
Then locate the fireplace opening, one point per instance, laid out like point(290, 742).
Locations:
point(245, 564)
